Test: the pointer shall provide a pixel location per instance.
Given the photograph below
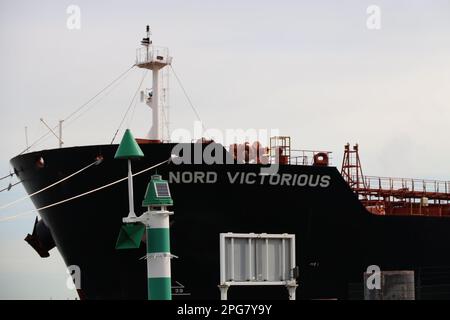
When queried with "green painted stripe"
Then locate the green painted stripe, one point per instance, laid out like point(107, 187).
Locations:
point(158, 240)
point(159, 289)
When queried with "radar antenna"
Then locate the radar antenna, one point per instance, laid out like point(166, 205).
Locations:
point(146, 41)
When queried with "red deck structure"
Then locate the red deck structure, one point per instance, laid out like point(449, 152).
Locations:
point(395, 196)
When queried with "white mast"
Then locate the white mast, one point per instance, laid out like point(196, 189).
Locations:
point(154, 58)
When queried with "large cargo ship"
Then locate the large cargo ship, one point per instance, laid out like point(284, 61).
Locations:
point(343, 221)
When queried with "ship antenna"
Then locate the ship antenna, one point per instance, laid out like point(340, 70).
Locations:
point(146, 41)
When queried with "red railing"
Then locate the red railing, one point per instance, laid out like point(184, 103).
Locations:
point(405, 188)
point(306, 157)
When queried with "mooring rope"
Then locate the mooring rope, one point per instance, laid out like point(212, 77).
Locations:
point(10, 186)
point(82, 194)
point(98, 161)
point(7, 176)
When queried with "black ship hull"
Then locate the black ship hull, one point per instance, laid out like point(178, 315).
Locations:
point(336, 237)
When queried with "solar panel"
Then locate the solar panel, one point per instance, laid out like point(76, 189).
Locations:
point(162, 190)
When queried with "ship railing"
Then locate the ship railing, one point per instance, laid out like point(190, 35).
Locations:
point(294, 157)
point(306, 157)
point(152, 54)
point(404, 187)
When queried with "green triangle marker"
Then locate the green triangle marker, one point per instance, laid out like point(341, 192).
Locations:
point(130, 236)
point(128, 148)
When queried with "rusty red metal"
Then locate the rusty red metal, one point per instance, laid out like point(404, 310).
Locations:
point(321, 159)
point(147, 141)
point(395, 196)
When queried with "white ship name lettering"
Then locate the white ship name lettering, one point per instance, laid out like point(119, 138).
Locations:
point(251, 178)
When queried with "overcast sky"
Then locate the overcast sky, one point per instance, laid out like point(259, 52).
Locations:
point(312, 70)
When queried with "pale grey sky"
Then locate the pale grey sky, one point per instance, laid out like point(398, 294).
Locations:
point(310, 69)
